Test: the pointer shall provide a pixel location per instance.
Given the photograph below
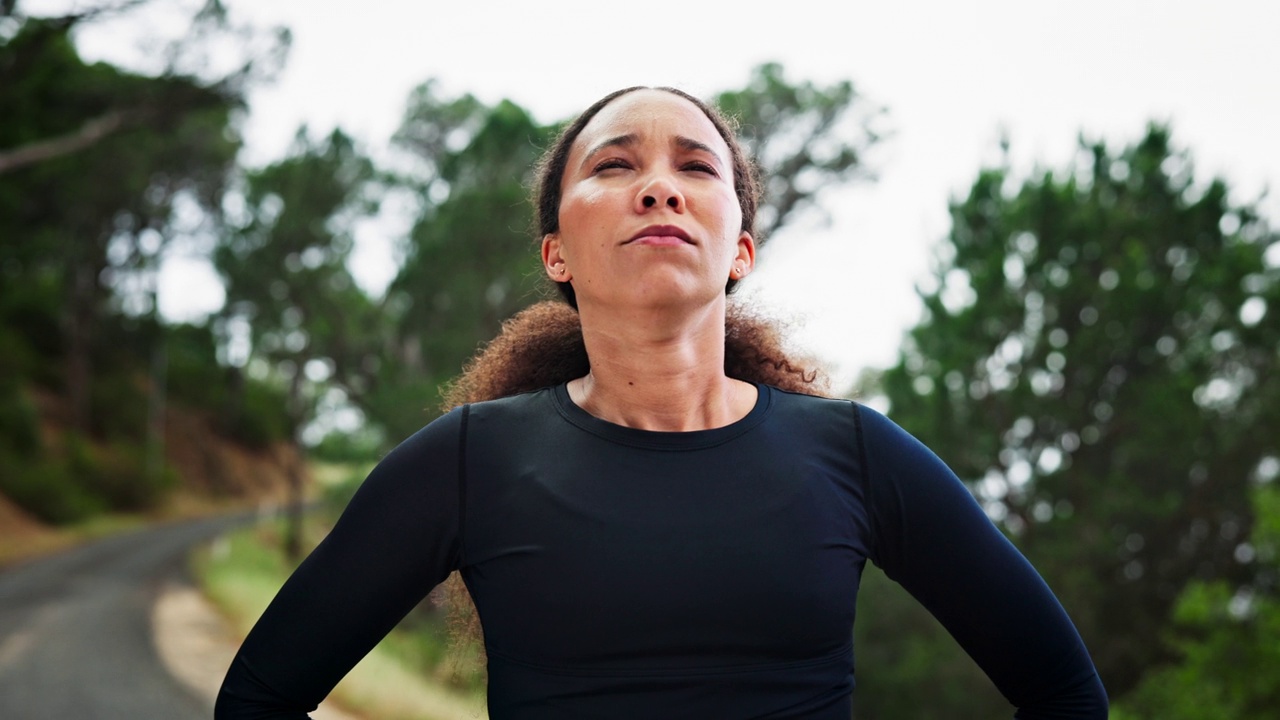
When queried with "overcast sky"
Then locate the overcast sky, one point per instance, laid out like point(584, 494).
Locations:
point(953, 76)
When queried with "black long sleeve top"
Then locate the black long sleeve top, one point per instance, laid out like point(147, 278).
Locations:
point(627, 573)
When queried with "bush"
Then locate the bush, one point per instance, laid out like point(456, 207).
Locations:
point(261, 417)
point(29, 307)
point(48, 489)
point(120, 476)
point(361, 446)
point(19, 360)
point(194, 375)
point(904, 648)
point(1227, 640)
point(118, 407)
point(19, 424)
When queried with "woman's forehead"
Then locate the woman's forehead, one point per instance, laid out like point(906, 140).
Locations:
point(650, 115)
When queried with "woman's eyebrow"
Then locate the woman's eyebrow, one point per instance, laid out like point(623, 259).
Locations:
point(690, 145)
point(619, 141)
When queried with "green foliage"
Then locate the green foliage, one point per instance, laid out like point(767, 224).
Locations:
point(48, 489)
point(1227, 640)
point(285, 264)
point(94, 163)
point(119, 408)
point(28, 314)
point(361, 446)
point(117, 473)
point(1093, 358)
point(260, 418)
point(251, 411)
point(172, 140)
point(805, 138)
point(470, 260)
point(81, 480)
point(404, 398)
point(286, 277)
point(194, 376)
point(899, 648)
point(99, 170)
point(19, 424)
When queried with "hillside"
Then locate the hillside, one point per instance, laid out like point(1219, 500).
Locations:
point(210, 472)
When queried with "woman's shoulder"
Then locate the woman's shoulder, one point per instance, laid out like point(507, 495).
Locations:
point(815, 402)
point(810, 403)
point(530, 403)
point(506, 415)
point(817, 417)
point(848, 417)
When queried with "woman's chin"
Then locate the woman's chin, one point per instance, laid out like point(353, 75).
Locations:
point(676, 297)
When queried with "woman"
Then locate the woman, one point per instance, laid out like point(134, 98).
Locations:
point(651, 536)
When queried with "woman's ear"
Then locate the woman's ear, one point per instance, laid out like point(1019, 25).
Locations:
point(745, 260)
point(553, 260)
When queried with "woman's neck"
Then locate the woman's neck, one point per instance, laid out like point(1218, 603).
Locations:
point(658, 372)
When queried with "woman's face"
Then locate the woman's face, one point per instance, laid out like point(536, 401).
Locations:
point(648, 214)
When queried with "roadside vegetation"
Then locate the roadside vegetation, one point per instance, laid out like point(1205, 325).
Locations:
point(415, 673)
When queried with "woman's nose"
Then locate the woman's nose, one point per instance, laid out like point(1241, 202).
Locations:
point(661, 191)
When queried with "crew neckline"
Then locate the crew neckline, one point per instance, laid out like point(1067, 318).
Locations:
point(660, 439)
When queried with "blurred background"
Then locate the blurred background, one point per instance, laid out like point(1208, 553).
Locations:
point(242, 246)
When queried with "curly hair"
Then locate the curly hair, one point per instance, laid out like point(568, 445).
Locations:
point(543, 346)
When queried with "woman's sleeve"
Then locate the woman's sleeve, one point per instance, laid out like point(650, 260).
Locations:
point(397, 539)
point(931, 536)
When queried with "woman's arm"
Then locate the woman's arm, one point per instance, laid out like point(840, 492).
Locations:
point(933, 538)
point(397, 539)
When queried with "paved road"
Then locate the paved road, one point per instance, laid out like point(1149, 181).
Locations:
point(75, 629)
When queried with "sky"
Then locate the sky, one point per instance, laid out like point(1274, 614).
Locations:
point(953, 76)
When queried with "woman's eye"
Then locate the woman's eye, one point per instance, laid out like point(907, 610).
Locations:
point(612, 164)
point(699, 166)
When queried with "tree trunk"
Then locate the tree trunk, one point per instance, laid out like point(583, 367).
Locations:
point(155, 412)
point(79, 329)
point(293, 513)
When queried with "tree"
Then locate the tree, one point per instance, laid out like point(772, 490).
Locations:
point(900, 648)
point(97, 166)
point(109, 206)
point(101, 169)
point(1093, 359)
point(470, 262)
point(803, 137)
point(1227, 639)
point(285, 268)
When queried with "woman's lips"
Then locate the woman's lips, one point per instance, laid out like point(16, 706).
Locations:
point(661, 235)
